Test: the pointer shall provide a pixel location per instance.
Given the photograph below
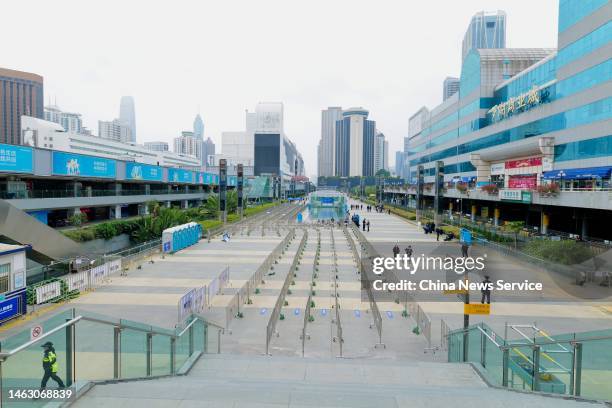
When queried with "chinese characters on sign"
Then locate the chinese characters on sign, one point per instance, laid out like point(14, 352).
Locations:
point(518, 104)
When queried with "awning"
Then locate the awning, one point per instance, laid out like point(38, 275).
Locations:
point(578, 174)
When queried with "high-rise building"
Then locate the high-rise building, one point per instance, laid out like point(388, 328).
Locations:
point(386, 156)
point(188, 145)
point(21, 93)
point(329, 117)
point(354, 147)
point(127, 115)
point(115, 130)
point(450, 87)
point(157, 146)
point(379, 152)
point(486, 30)
point(71, 122)
point(198, 127)
point(208, 149)
point(399, 163)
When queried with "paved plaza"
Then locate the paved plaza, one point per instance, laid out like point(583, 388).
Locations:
point(323, 369)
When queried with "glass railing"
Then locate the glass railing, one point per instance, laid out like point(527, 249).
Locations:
point(92, 347)
point(576, 364)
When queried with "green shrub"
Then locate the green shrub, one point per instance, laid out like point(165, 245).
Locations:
point(106, 230)
point(565, 252)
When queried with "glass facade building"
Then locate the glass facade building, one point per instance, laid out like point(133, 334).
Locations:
point(515, 103)
point(486, 30)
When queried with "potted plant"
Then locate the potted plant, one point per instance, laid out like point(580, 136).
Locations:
point(548, 189)
point(461, 187)
point(490, 189)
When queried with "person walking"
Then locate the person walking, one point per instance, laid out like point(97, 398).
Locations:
point(50, 366)
point(409, 251)
point(486, 291)
point(368, 225)
point(438, 232)
point(396, 251)
point(464, 250)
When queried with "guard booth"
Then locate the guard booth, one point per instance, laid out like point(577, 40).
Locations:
point(12, 281)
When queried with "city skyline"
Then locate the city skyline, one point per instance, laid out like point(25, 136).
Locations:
point(93, 84)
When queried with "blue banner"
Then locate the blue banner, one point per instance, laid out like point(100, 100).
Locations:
point(139, 171)
point(215, 179)
point(18, 159)
point(232, 180)
point(9, 308)
point(70, 164)
point(180, 176)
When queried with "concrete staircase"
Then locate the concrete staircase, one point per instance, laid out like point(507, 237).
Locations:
point(228, 380)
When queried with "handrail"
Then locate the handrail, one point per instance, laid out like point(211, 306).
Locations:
point(187, 327)
point(126, 326)
point(6, 354)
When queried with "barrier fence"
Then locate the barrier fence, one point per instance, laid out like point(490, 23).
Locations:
point(308, 308)
point(368, 252)
point(81, 281)
point(271, 327)
point(339, 337)
point(243, 295)
point(196, 300)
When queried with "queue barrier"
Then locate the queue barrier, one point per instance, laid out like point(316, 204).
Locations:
point(271, 327)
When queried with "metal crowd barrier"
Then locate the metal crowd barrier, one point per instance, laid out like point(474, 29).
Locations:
point(243, 295)
point(271, 327)
point(307, 310)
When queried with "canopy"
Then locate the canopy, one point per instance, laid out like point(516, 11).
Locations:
point(578, 174)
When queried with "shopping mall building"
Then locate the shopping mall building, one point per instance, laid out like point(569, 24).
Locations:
point(529, 134)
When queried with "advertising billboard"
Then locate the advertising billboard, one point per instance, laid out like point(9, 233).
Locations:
point(527, 182)
point(139, 171)
point(180, 176)
point(16, 159)
point(70, 164)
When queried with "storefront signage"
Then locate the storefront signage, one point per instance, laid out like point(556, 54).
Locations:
point(17, 159)
point(69, 164)
point(528, 162)
point(518, 104)
point(139, 171)
point(497, 169)
point(515, 195)
point(180, 176)
point(523, 181)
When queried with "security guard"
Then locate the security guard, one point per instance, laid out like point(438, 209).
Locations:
point(50, 366)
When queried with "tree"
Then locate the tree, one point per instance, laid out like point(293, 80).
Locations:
point(383, 173)
point(515, 227)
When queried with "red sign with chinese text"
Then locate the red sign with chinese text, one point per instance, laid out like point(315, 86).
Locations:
point(525, 182)
point(531, 161)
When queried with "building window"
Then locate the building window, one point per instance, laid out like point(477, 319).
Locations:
point(5, 272)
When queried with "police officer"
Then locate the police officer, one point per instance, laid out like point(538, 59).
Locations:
point(486, 292)
point(50, 366)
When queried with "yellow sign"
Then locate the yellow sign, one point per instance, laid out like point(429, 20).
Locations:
point(456, 292)
point(476, 309)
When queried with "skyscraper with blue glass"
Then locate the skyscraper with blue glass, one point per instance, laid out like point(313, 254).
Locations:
point(486, 30)
point(354, 144)
point(525, 118)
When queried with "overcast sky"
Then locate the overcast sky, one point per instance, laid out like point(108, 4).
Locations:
point(178, 58)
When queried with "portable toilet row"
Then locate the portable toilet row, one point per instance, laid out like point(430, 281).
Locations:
point(180, 237)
